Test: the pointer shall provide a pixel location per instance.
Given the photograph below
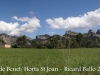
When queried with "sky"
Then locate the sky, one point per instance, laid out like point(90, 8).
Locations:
point(39, 17)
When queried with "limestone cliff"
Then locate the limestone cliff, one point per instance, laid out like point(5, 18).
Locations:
point(8, 39)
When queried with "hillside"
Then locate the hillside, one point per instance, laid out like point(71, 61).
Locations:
point(71, 34)
point(8, 39)
point(90, 35)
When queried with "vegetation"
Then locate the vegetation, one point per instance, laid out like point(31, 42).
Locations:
point(21, 41)
point(79, 39)
point(53, 58)
point(2, 42)
point(58, 42)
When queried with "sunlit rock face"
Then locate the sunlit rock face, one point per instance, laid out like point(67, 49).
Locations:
point(71, 33)
point(8, 39)
point(91, 33)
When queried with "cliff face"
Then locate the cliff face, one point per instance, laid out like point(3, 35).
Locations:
point(12, 39)
point(92, 33)
point(8, 39)
point(70, 33)
point(43, 37)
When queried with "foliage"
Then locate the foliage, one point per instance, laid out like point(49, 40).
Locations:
point(14, 46)
point(59, 42)
point(74, 44)
point(79, 39)
point(68, 43)
point(54, 42)
point(2, 42)
point(90, 44)
point(34, 43)
point(21, 41)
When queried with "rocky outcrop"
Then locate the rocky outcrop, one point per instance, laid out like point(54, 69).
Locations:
point(70, 33)
point(8, 39)
point(43, 37)
point(98, 32)
point(56, 36)
point(91, 33)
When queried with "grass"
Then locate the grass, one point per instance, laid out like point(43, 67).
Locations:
point(56, 59)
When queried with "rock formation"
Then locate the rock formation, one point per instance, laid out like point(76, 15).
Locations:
point(43, 37)
point(8, 39)
point(70, 34)
point(98, 32)
point(91, 33)
point(12, 39)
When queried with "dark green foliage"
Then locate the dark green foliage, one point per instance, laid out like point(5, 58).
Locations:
point(41, 46)
point(68, 43)
point(54, 42)
point(34, 43)
point(74, 44)
point(14, 46)
point(90, 44)
point(21, 41)
point(79, 39)
point(59, 42)
point(49, 45)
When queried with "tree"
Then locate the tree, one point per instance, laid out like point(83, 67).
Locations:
point(68, 42)
point(34, 43)
point(54, 42)
point(90, 44)
point(2, 42)
point(41, 46)
point(74, 44)
point(79, 39)
point(21, 41)
point(63, 42)
point(49, 44)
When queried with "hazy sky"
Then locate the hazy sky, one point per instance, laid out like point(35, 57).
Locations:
point(38, 17)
